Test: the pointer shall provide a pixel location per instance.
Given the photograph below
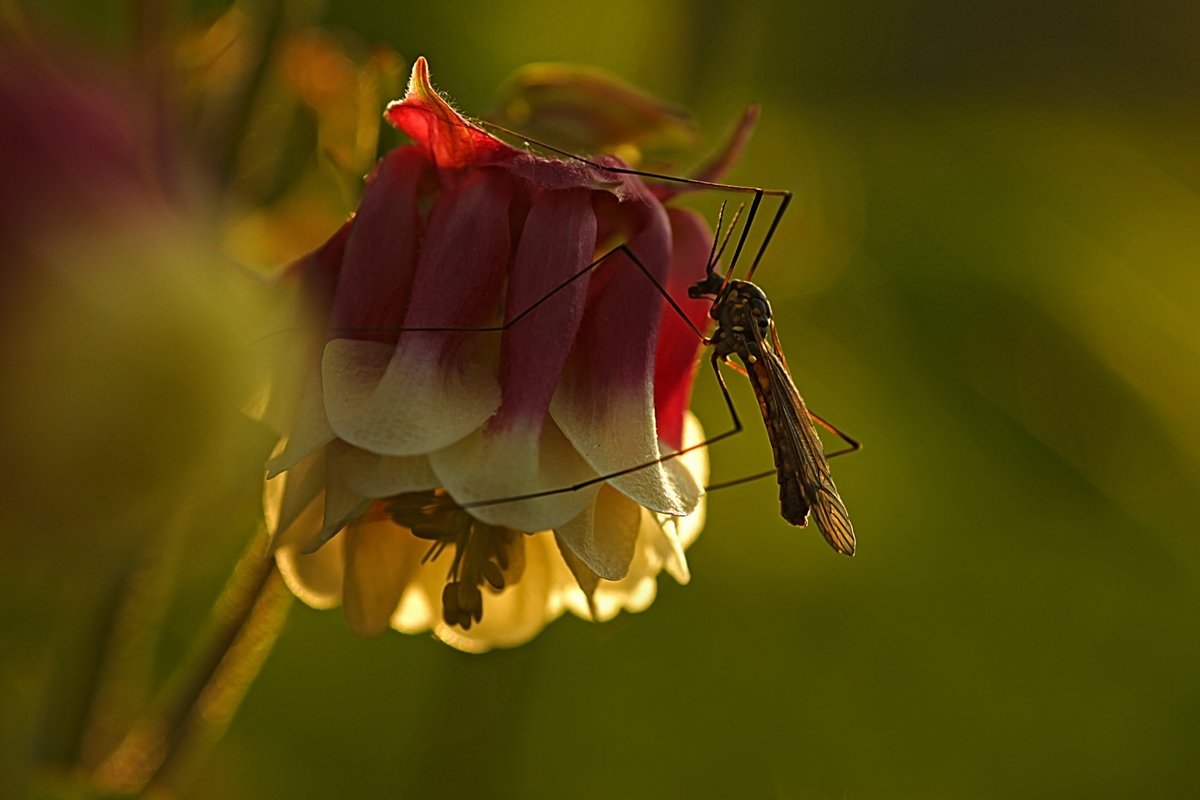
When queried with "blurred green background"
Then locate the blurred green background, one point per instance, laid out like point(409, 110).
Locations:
point(991, 276)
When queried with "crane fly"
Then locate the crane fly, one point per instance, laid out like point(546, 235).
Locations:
point(746, 329)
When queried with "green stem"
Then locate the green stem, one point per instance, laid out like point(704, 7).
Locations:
point(127, 664)
point(199, 702)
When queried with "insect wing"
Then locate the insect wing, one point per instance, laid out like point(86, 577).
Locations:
point(814, 476)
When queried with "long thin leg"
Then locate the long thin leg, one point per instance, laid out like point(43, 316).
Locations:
point(712, 487)
point(783, 205)
point(736, 429)
point(852, 443)
point(784, 195)
point(621, 248)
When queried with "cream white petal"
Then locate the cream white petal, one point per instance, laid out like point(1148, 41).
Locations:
point(309, 431)
point(637, 590)
point(604, 535)
point(669, 548)
point(402, 401)
point(342, 504)
point(287, 496)
point(373, 475)
point(677, 533)
point(511, 462)
point(597, 427)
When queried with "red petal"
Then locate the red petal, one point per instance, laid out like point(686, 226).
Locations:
point(446, 136)
point(557, 242)
point(433, 388)
point(450, 140)
point(464, 255)
point(621, 325)
point(675, 364)
point(604, 403)
point(381, 254)
point(566, 173)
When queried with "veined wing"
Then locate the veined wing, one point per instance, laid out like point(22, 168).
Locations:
point(813, 476)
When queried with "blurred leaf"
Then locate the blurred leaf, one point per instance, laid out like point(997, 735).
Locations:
point(587, 110)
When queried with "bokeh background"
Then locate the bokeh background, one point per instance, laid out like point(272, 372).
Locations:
point(991, 276)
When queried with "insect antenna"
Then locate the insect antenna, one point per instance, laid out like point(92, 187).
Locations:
point(715, 257)
point(714, 254)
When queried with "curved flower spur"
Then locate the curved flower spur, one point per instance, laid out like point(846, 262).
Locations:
point(410, 413)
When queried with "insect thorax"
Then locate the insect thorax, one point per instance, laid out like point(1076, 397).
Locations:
point(738, 309)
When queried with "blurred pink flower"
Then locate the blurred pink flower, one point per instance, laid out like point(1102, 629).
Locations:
point(395, 432)
point(71, 152)
point(121, 351)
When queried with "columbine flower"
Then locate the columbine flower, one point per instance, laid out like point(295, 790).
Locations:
point(397, 431)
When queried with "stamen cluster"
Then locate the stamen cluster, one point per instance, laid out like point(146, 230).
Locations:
point(482, 552)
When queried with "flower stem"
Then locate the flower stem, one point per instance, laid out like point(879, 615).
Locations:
point(199, 702)
point(124, 675)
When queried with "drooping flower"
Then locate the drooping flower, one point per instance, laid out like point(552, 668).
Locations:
point(411, 420)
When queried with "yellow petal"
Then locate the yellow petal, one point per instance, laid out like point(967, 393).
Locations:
point(587, 580)
point(315, 578)
point(420, 605)
point(401, 401)
point(604, 534)
point(696, 462)
point(381, 558)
